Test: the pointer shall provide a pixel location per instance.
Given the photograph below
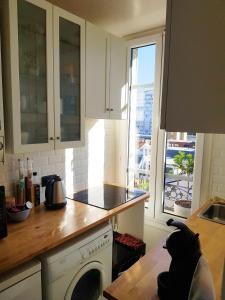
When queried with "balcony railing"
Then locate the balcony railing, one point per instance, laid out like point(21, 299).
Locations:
point(177, 187)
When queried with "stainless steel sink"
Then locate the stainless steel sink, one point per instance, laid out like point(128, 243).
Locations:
point(215, 213)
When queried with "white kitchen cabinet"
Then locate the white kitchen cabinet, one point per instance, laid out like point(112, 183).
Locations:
point(117, 78)
point(106, 81)
point(193, 97)
point(69, 78)
point(43, 79)
point(22, 283)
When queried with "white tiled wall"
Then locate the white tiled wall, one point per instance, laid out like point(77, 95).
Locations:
point(73, 164)
point(98, 160)
point(217, 176)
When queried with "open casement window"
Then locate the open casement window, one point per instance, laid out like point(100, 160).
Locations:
point(168, 165)
point(178, 176)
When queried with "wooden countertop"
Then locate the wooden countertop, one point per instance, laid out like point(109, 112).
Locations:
point(45, 229)
point(140, 281)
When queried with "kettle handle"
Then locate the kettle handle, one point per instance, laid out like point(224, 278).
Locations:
point(49, 190)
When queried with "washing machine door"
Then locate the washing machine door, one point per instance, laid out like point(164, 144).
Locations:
point(87, 283)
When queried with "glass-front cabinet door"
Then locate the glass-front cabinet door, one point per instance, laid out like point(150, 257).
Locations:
point(44, 65)
point(69, 66)
point(34, 48)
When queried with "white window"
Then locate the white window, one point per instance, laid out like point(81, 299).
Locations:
point(168, 165)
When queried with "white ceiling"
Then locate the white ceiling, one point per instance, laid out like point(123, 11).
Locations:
point(120, 17)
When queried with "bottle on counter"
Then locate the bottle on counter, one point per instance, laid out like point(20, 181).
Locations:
point(20, 187)
point(36, 190)
point(28, 181)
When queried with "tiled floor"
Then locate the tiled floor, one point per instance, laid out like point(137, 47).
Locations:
point(152, 235)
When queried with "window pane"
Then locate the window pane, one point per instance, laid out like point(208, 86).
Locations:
point(140, 120)
point(143, 64)
point(69, 35)
point(32, 73)
point(178, 177)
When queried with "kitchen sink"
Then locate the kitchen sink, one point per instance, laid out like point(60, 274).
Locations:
point(214, 212)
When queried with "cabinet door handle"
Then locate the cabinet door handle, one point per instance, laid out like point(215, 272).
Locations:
point(1, 146)
point(111, 109)
point(58, 138)
point(107, 109)
point(51, 138)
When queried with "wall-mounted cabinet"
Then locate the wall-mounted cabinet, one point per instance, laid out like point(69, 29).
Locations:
point(193, 97)
point(106, 80)
point(44, 74)
point(69, 78)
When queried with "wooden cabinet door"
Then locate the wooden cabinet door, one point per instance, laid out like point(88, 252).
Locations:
point(193, 97)
point(118, 82)
point(97, 72)
point(69, 78)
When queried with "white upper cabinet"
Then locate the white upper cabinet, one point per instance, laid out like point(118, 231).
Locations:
point(117, 78)
point(97, 73)
point(105, 75)
point(43, 76)
point(193, 97)
point(69, 78)
point(27, 68)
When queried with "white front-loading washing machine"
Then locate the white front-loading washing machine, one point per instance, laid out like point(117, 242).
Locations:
point(80, 269)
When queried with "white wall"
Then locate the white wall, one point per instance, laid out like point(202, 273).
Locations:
point(91, 163)
point(217, 168)
point(121, 136)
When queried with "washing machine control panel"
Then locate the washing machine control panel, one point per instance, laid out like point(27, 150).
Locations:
point(95, 246)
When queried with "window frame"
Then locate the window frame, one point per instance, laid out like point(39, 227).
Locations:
point(158, 213)
point(156, 184)
point(156, 39)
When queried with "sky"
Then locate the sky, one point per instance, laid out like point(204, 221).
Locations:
point(146, 64)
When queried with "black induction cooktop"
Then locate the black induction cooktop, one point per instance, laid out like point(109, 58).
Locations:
point(106, 196)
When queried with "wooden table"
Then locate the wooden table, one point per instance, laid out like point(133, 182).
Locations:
point(140, 281)
point(46, 229)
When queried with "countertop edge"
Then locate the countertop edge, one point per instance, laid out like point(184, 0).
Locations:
point(136, 280)
point(6, 263)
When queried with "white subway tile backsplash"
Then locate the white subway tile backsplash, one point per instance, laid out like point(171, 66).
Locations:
point(218, 166)
point(219, 179)
point(221, 171)
point(40, 161)
point(55, 161)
